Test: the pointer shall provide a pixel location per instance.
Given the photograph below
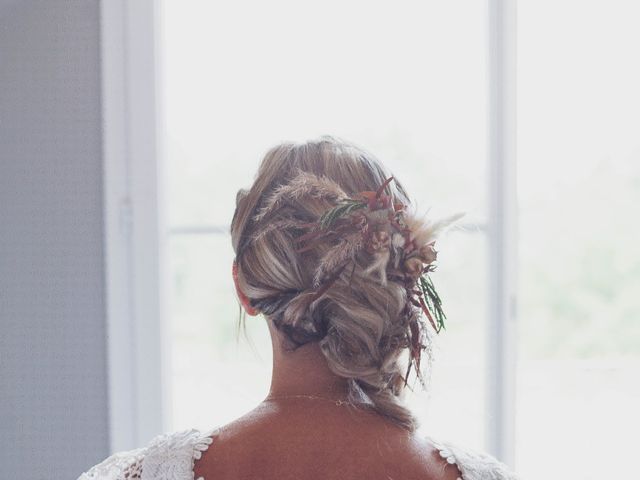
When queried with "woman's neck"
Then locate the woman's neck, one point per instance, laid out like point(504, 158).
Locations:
point(303, 372)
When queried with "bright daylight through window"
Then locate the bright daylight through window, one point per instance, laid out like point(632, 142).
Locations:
point(408, 80)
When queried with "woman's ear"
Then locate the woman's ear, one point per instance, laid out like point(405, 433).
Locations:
point(241, 296)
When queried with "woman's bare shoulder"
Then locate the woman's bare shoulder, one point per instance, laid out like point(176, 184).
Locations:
point(321, 447)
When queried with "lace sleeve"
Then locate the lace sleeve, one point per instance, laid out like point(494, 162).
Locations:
point(169, 456)
point(172, 456)
point(119, 466)
point(474, 465)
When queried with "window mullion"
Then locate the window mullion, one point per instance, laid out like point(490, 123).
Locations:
point(501, 354)
point(134, 251)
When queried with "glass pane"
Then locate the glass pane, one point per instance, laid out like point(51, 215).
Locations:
point(214, 377)
point(405, 80)
point(454, 406)
point(579, 182)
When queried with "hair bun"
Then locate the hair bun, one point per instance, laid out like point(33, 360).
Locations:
point(329, 252)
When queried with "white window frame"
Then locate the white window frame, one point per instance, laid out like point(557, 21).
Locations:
point(502, 232)
point(134, 224)
point(135, 228)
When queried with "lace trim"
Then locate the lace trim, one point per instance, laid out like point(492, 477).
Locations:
point(202, 445)
point(127, 465)
point(474, 465)
point(448, 455)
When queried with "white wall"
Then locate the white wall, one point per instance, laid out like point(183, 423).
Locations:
point(53, 376)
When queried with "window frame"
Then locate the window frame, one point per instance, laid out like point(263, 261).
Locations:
point(136, 233)
point(134, 224)
point(502, 232)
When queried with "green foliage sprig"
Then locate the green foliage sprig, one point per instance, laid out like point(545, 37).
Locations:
point(345, 208)
point(433, 301)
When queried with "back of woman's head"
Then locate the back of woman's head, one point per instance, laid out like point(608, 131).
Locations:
point(328, 289)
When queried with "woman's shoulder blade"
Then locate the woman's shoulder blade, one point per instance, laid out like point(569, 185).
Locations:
point(473, 464)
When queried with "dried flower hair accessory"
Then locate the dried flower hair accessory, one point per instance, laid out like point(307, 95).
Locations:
point(384, 230)
point(401, 247)
point(370, 230)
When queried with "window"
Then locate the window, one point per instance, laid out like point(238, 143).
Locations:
point(431, 88)
point(579, 189)
point(405, 80)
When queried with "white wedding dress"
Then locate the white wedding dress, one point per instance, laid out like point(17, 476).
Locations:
point(171, 456)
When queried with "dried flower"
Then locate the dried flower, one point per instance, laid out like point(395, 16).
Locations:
point(413, 267)
point(379, 240)
point(397, 240)
point(399, 243)
point(428, 253)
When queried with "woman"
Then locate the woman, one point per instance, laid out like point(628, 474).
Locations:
point(329, 253)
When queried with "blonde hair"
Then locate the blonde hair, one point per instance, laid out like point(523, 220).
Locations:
point(362, 325)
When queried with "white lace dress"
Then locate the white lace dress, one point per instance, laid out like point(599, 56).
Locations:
point(171, 456)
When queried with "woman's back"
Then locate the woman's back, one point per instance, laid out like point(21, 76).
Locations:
point(329, 252)
point(299, 442)
point(318, 440)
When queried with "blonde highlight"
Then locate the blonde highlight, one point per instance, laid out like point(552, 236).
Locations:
point(361, 325)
